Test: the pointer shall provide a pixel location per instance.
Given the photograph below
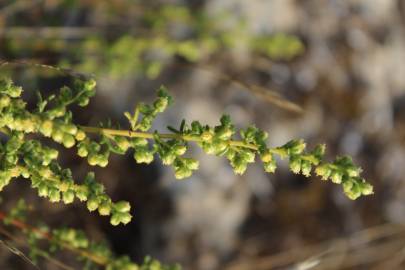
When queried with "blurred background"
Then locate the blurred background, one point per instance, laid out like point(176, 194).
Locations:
point(327, 71)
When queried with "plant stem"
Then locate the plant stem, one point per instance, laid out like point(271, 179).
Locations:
point(24, 226)
point(146, 135)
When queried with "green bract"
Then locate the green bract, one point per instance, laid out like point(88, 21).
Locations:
point(30, 159)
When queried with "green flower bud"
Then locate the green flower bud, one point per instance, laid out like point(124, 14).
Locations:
point(182, 172)
point(336, 177)
point(54, 195)
point(354, 192)
point(43, 190)
point(266, 156)
point(82, 151)
point(161, 104)
point(52, 153)
point(122, 206)
point(296, 147)
point(68, 140)
point(4, 101)
point(319, 152)
point(115, 219)
point(119, 217)
point(295, 164)
point(324, 171)
point(70, 128)
point(58, 111)
point(92, 204)
point(68, 196)
point(353, 171)
point(239, 164)
point(347, 186)
point(224, 133)
point(139, 142)
point(168, 158)
point(248, 156)
point(122, 143)
point(220, 146)
point(125, 218)
point(103, 162)
point(104, 209)
point(57, 136)
point(82, 193)
point(89, 85)
point(306, 168)
point(270, 167)
point(207, 136)
point(25, 174)
point(46, 128)
point(83, 101)
point(64, 186)
point(192, 164)
point(92, 159)
point(80, 135)
point(366, 189)
point(143, 155)
point(180, 150)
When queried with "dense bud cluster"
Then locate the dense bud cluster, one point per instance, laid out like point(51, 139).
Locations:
point(30, 159)
point(92, 254)
point(127, 54)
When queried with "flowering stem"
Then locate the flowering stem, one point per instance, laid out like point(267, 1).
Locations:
point(24, 226)
point(146, 135)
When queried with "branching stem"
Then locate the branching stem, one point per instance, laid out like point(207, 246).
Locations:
point(146, 135)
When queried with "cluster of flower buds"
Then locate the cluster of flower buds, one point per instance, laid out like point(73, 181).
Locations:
point(343, 171)
point(31, 160)
point(93, 254)
point(28, 158)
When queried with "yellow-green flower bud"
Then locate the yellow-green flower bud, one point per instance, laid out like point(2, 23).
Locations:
point(43, 190)
point(180, 150)
point(168, 158)
point(70, 128)
point(324, 171)
point(192, 164)
point(306, 168)
point(54, 195)
point(4, 101)
point(104, 209)
point(122, 206)
point(182, 172)
point(122, 143)
point(82, 151)
point(57, 136)
point(68, 140)
point(336, 177)
point(92, 204)
point(295, 164)
point(115, 219)
point(92, 159)
point(80, 135)
point(68, 196)
point(266, 156)
point(207, 135)
point(270, 167)
point(366, 189)
point(143, 156)
point(46, 128)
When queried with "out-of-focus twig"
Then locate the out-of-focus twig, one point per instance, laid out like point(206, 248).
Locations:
point(18, 6)
point(381, 245)
point(263, 93)
point(48, 32)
